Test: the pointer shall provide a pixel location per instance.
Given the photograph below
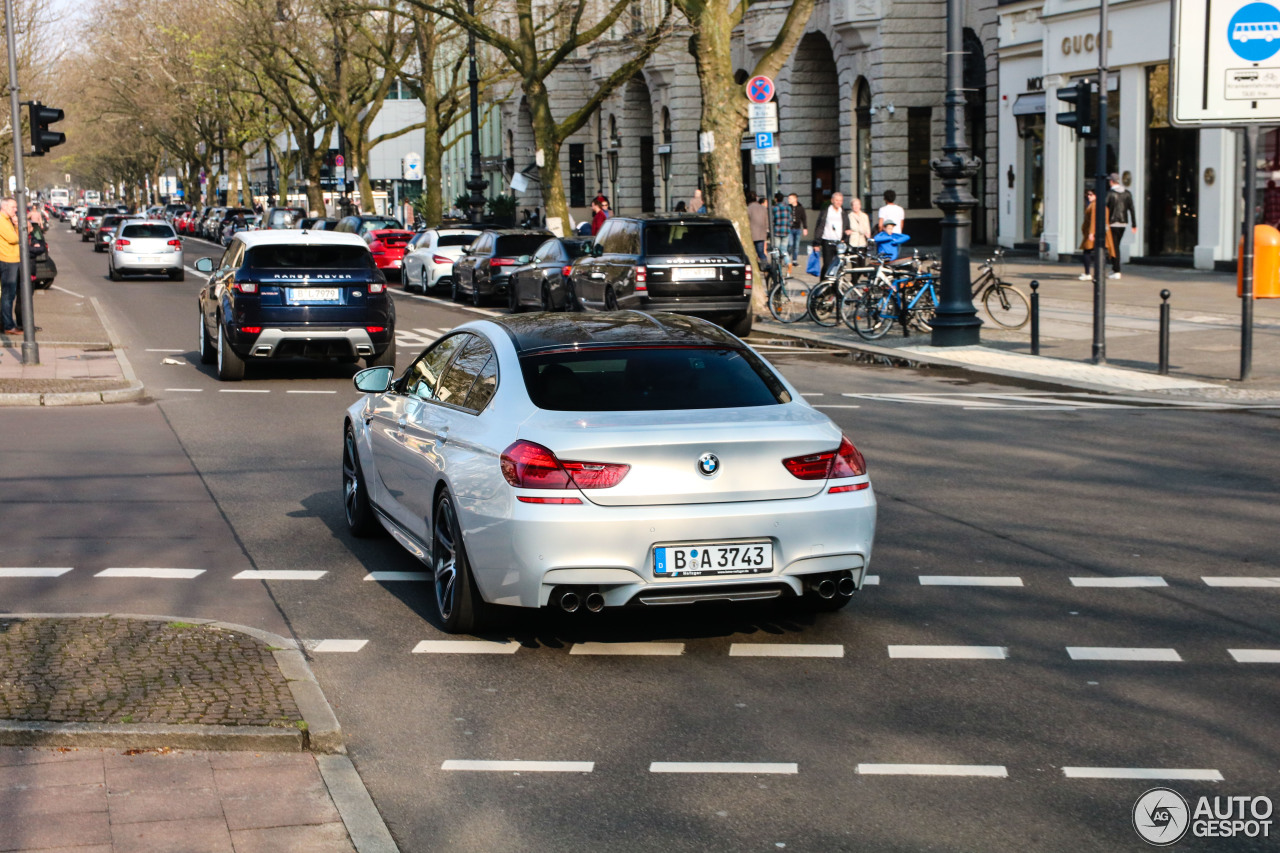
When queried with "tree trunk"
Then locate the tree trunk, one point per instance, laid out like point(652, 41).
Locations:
point(548, 141)
point(432, 155)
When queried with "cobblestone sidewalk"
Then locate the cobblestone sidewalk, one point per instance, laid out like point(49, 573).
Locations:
point(92, 670)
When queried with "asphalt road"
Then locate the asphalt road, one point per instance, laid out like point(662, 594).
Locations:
point(953, 705)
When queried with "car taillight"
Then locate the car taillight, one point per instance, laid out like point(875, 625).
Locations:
point(377, 248)
point(251, 330)
point(375, 330)
point(245, 286)
point(377, 287)
point(642, 279)
point(502, 262)
point(120, 244)
point(177, 244)
point(526, 465)
point(746, 281)
point(566, 271)
point(441, 259)
point(844, 461)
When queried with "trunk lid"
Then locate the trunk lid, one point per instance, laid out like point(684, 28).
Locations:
point(663, 449)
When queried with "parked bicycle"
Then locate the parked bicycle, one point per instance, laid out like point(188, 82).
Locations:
point(788, 297)
point(1007, 305)
point(909, 299)
point(852, 264)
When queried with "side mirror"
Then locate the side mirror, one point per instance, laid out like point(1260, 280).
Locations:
point(522, 260)
point(596, 250)
point(204, 264)
point(373, 380)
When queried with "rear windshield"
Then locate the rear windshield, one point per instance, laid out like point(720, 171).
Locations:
point(141, 231)
point(519, 244)
point(691, 238)
point(648, 379)
point(112, 220)
point(380, 225)
point(456, 240)
point(292, 257)
point(577, 248)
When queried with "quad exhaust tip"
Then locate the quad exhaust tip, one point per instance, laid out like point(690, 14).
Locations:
point(595, 602)
point(846, 587)
point(570, 602)
point(826, 588)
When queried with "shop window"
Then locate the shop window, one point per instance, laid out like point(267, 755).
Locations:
point(919, 151)
point(577, 174)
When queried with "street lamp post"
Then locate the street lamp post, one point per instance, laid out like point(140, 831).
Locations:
point(477, 184)
point(664, 159)
point(271, 190)
point(956, 323)
point(613, 173)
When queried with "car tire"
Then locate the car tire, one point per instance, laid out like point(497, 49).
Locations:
point(742, 326)
point(476, 299)
point(386, 358)
point(571, 303)
point(205, 346)
point(113, 273)
point(178, 275)
point(422, 285)
point(454, 294)
point(545, 298)
point(458, 602)
point(611, 301)
point(361, 520)
point(97, 248)
point(513, 299)
point(230, 365)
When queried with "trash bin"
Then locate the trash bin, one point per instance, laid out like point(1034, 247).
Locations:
point(1266, 263)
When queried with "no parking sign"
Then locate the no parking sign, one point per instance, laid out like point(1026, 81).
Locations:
point(760, 90)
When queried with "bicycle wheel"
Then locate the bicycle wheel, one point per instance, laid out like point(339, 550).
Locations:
point(1007, 305)
point(824, 303)
point(789, 301)
point(849, 302)
point(923, 312)
point(873, 315)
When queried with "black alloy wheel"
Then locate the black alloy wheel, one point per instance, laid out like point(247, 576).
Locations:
point(458, 602)
point(361, 520)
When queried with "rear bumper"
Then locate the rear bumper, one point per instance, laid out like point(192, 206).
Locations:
point(497, 285)
point(714, 308)
point(325, 342)
point(124, 261)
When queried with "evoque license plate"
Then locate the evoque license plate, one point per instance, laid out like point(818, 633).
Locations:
point(309, 295)
point(729, 558)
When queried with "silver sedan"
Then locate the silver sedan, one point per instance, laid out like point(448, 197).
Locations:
point(605, 460)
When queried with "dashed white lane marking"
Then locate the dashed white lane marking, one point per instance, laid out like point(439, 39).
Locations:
point(32, 573)
point(950, 652)
point(311, 392)
point(187, 390)
point(466, 647)
point(812, 394)
point(968, 580)
point(170, 574)
point(1113, 653)
point(244, 391)
point(1241, 582)
point(398, 576)
point(520, 766)
point(279, 575)
point(871, 580)
point(1255, 655)
point(334, 645)
point(831, 406)
point(627, 649)
point(724, 767)
point(995, 771)
point(1124, 582)
point(166, 350)
point(1142, 773)
point(785, 650)
point(64, 290)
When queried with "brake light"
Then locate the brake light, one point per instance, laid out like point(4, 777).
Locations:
point(377, 248)
point(526, 465)
point(642, 279)
point(177, 244)
point(245, 286)
point(374, 330)
point(746, 280)
point(529, 499)
point(120, 244)
point(251, 330)
point(377, 287)
point(844, 461)
point(441, 259)
point(566, 271)
point(502, 262)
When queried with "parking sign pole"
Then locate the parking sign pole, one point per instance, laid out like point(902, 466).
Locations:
point(30, 349)
point(1246, 256)
point(1100, 223)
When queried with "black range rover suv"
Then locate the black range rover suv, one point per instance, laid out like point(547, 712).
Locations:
point(685, 264)
point(280, 294)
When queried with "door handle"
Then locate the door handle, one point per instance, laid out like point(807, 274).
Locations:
point(443, 432)
point(597, 275)
point(401, 422)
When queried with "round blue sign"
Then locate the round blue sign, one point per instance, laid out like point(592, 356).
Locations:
point(1254, 32)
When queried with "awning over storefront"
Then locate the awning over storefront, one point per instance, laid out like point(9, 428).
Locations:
point(1031, 103)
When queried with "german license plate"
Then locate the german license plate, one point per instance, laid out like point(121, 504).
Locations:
point(151, 259)
point(693, 274)
point(313, 295)
point(731, 558)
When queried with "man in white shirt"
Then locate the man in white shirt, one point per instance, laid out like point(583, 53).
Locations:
point(833, 226)
point(891, 212)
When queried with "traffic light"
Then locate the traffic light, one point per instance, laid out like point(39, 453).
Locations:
point(1080, 94)
point(42, 138)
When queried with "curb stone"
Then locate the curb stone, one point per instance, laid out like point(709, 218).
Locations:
point(364, 823)
point(322, 734)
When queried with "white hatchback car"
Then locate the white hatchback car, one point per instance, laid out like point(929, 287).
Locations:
point(146, 246)
point(428, 261)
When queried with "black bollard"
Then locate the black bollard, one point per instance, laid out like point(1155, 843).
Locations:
point(1035, 318)
point(1164, 333)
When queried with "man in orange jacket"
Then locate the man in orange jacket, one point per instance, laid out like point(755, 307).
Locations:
point(10, 264)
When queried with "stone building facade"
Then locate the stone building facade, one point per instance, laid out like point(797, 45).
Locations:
point(860, 110)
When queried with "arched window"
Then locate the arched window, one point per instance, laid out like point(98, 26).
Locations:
point(862, 142)
point(666, 126)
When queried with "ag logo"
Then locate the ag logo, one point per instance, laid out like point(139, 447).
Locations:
point(708, 464)
point(1161, 817)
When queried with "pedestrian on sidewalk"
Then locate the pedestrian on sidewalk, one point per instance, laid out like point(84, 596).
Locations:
point(598, 216)
point(758, 218)
point(1089, 231)
point(799, 228)
point(10, 264)
point(780, 213)
point(1120, 214)
point(832, 227)
point(860, 223)
point(891, 211)
point(696, 204)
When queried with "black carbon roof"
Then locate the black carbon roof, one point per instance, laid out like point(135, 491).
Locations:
point(534, 332)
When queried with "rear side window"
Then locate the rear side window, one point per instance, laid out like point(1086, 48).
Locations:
point(649, 379)
point(309, 257)
point(144, 231)
point(515, 245)
point(423, 375)
point(691, 238)
point(458, 379)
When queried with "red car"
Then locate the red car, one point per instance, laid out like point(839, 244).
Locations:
point(387, 239)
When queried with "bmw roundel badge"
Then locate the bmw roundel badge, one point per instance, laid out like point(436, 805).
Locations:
point(708, 464)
